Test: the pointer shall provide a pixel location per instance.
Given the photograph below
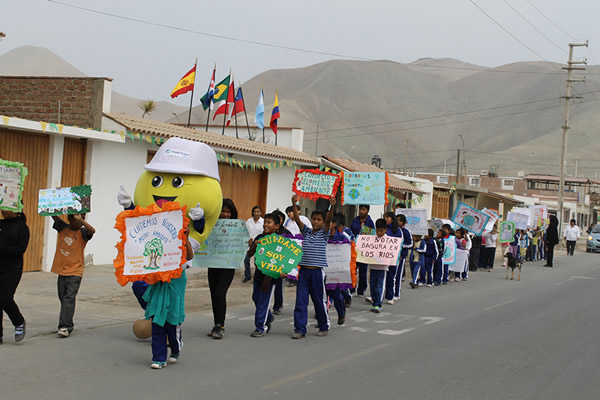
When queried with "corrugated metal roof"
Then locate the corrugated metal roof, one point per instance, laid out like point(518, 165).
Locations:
point(552, 178)
point(218, 142)
point(395, 184)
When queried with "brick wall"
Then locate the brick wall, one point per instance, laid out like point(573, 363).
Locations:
point(37, 98)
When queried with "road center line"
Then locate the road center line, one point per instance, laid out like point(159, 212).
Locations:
point(499, 305)
point(323, 367)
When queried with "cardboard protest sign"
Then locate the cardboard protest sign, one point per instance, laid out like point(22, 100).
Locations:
point(276, 254)
point(341, 265)
point(507, 232)
point(152, 246)
point(462, 256)
point(372, 249)
point(365, 230)
point(520, 220)
point(416, 220)
point(492, 221)
point(364, 188)
point(469, 218)
point(12, 179)
point(225, 247)
point(449, 256)
point(528, 212)
point(436, 224)
point(65, 201)
point(314, 184)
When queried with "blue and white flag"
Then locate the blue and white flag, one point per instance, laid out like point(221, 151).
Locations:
point(259, 117)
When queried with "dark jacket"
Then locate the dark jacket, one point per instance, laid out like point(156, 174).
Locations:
point(357, 226)
point(14, 237)
point(552, 232)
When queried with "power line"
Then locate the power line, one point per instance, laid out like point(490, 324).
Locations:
point(533, 26)
point(549, 20)
point(254, 42)
point(507, 31)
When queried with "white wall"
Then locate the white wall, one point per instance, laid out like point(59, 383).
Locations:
point(279, 188)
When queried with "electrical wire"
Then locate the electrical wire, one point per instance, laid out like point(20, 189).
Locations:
point(549, 20)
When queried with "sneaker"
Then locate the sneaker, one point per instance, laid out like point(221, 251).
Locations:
point(341, 320)
point(360, 296)
point(444, 283)
point(20, 332)
point(277, 312)
point(158, 364)
point(436, 284)
point(429, 285)
point(376, 309)
point(369, 300)
point(245, 280)
point(297, 335)
point(403, 279)
point(219, 332)
point(174, 357)
point(212, 331)
point(396, 298)
point(63, 332)
point(456, 279)
point(257, 333)
point(412, 284)
point(390, 302)
point(269, 325)
point(322, 333)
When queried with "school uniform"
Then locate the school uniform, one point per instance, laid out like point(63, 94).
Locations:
point(459, 246)
point(339, 296)
point(438, 264)
point(468, 247)
point(391, 276)
point(416, 260)
point(406, 246)
point(356, 228)
point(377, 281)
point(311, 280)
point(430, 257)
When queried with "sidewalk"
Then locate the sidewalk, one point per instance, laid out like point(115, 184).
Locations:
point(102, 301)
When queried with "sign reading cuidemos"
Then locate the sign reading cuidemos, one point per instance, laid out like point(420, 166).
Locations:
point(315, 184)
point(152, 246)
point(277, 254)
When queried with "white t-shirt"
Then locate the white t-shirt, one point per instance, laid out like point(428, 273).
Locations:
point(292, 226)
point(572, 232)
point(255, 228)
point(490, 239)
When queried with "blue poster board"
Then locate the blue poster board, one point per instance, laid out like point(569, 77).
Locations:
point(470, 218)
point(364, 188)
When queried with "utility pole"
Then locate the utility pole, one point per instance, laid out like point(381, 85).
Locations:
point(317, 143)
point(457, 164)
point(565, 127)
point(405, 157)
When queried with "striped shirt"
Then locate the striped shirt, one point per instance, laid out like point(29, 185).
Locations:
point(314, 248)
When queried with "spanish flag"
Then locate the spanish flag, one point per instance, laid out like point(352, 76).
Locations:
point(275, 115)
point(186, 83)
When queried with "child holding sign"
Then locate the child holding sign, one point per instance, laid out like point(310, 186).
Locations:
point(311, 281)
point(264, 286)
point(378, 272)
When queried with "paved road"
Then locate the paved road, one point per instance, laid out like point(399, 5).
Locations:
point(487, 338)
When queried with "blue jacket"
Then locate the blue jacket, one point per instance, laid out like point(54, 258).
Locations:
point(407, 244)
point(392, 234)
point(345, 234)
point(431, 250)
point(356, 225)
point(420, 250)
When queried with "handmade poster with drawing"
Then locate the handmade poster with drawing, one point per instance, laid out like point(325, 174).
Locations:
point(449, 256)
point(12, 179)
point(315, 184)
point(364, 188)
point(436, 224)
point(507, 232)
point(520, 220)
point(65, 201)
point(152, 246)
point(225, 247)
point(470, 218)
point(341, 266)
point(416, 220)
point(276, 255)
point(528, 212)
point(492, 221)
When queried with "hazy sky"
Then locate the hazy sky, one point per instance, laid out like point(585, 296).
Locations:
point(147, 61)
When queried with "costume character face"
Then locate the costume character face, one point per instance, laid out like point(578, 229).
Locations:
point(188, 190)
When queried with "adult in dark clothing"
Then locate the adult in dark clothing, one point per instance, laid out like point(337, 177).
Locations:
point(551, 239)
point(14, 237)
point(219, 280)
point(359, 225)
point(474, 253)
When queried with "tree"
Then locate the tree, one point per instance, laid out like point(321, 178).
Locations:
point(154, 250)
point(147, 106)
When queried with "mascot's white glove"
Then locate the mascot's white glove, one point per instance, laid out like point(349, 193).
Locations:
point(196, 213)
point(124, 198)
